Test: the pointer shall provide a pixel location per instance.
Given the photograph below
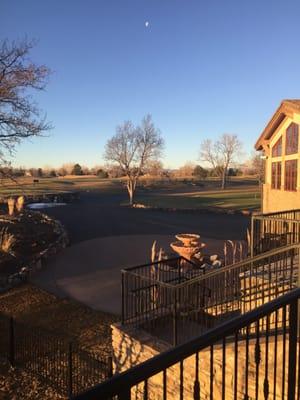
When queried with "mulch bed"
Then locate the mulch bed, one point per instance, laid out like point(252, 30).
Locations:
point(17, 384)
point(67, 318)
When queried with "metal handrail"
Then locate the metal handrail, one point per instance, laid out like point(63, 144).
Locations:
point(266, 217)
point(163, 361)
point(213, 273)
point(129, 269)
point(227, 268)
point(249, 260)
point(275, 213)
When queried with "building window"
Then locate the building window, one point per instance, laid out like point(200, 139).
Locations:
point(291, 141)
point(277, 148)
point(276, 175)
point(290, 182)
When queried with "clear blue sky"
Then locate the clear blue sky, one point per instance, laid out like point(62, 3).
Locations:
point(201, 68)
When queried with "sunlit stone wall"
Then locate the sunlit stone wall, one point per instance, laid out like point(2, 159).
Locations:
point(132, 347)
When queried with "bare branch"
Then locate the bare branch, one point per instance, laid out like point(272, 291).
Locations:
point(20, 118)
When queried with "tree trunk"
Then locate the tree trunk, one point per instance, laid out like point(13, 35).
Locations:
point(131, 198)
point(130, 188)
point(224, 179)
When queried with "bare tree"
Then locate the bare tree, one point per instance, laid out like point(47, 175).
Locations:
point(221, 154)
point(66, 168)
point(258, 166)
point(186, 170)
point(155, 168)
point(20, 117)
point(132, 148)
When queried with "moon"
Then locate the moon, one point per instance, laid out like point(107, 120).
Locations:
point(146, 24)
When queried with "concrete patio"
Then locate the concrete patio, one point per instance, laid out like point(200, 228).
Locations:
point(89, 271)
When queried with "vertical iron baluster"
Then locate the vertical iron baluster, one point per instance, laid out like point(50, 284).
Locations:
point(298, 385)
point(223, 368)
point(250, 284)
point(252, 241)
point(211, 372)
point(246, 397)
point(275, 354)
point(196, 383)
point(257, 360)
point(266, 381)
point(245, 294)
point(145, 396)
point(164, 384)
point(125, 394)
point(235, 365)
point(293, 330)
point(175, 326)
point(181, 381)
point(278, 266)
point(283, 351)
point(292, 269)
point(256, 288)
point(70, 370)
point(127, 294)
point(122, 293)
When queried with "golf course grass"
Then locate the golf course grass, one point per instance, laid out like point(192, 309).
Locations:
point(240, 195)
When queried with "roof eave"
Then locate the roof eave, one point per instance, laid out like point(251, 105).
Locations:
point(285, 109)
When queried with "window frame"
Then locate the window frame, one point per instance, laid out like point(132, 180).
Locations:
point(277, 148)
point(292, 139)
point(290, 175)
point(276, 170)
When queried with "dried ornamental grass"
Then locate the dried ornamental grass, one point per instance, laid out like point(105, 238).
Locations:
point(7, 241)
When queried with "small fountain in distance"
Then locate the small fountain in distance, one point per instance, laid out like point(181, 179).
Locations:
point(187, 245)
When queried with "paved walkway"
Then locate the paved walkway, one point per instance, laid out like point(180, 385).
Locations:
point(89, 271)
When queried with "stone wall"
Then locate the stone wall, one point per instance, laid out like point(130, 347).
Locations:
point(132, 347)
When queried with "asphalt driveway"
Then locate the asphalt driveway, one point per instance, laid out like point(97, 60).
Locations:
point(99, 214)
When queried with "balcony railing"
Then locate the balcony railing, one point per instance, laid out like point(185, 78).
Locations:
point(175, 301)
point(273, 230)
point(242, 359)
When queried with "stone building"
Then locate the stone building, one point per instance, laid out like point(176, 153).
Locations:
point(279, 142)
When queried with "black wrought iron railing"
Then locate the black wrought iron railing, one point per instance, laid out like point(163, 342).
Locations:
point(244, 358)
point(147, 289)
point(62, 364)
point(273, 230)
point(175, 302)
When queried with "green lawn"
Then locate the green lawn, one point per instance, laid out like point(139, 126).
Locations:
point(25, 186)
point(241, 194)
point(240, 199)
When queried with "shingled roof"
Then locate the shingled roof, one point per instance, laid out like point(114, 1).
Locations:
point(286, 108)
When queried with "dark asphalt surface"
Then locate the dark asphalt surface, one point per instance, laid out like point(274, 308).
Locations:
point(99, 214)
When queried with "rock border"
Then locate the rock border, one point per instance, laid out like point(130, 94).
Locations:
point(38, 260)
point(211, 210)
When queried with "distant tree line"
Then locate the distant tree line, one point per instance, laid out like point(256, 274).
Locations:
point(155, 169)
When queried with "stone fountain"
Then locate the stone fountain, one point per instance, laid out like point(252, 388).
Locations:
point(187, 245)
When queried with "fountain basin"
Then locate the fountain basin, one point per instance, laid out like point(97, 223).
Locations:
point(40, 206)
point(188, 239)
